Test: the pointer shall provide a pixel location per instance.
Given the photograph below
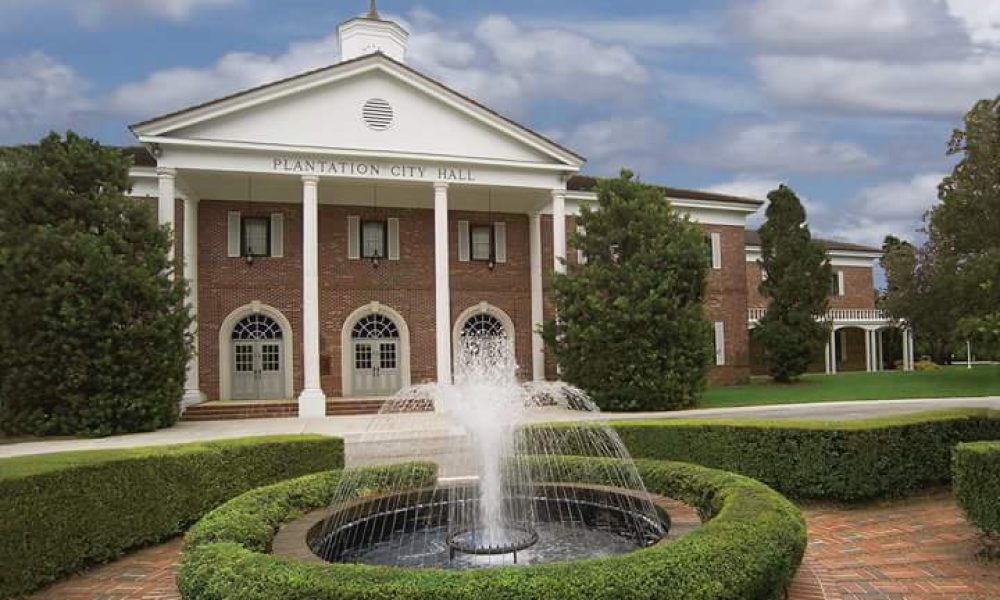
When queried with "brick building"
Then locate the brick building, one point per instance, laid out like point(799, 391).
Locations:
point(342, 229)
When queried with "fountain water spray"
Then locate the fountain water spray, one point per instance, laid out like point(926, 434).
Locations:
point(500, 498)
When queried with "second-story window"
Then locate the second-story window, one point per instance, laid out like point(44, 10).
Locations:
point(373, 239)
point(256, 236)
point(837, 287)
point(713, 250)
point(481, 240)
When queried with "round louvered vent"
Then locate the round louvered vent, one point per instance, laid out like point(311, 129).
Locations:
point(377, 114)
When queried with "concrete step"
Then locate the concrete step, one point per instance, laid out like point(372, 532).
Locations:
point(232, 411)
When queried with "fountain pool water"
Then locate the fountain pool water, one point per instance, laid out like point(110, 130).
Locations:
point(499, 499)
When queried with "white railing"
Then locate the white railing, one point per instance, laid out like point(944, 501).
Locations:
point(837, 315)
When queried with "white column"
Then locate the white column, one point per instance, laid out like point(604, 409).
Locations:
point(826, 358)
point(868, 351)
point(192, 386)
point(442, 284)
point(881, 350)
point(833, 351)
point(559, 229)
point(968, 354)
point(537, 301)
point(910, 351)
point(906, 350)
point(165, 204)
point(312, 401)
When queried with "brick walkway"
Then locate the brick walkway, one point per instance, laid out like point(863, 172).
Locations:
point(915, 549)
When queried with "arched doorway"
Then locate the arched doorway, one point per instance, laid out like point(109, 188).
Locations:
point(376, 356)
point(264, 325)
point(482, 320)
point(258, 361)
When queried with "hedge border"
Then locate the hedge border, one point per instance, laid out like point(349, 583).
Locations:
point(62, 512)
point(842, 460)
point(749, 548)
point(977, 488)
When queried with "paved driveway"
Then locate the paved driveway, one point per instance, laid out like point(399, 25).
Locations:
point(429, 425)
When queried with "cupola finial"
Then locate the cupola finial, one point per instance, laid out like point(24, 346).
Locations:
point(373, 11)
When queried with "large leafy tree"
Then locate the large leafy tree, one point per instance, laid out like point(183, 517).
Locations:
point(94, 330)
point(964, 229)
point(797, 286)
point(630, 326)
point(920, 286)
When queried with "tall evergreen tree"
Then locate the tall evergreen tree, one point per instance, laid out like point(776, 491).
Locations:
point(94, 329)
point(797, 286)
point(631, 329)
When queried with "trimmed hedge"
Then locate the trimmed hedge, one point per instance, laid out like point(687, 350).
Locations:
point(62, 512)
point(977, 485)
point(844, 460)
point(749, 549)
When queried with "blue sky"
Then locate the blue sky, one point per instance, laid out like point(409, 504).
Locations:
point(851, 102)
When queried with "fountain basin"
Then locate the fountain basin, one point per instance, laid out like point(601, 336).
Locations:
point(416, 528)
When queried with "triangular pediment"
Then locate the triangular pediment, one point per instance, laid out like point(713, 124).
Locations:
point(371, 105)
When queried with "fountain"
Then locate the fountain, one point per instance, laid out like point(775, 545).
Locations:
point(500, 498)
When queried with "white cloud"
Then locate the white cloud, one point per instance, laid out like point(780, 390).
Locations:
point(37, 94)
point(758, 187)
point(937, 88)
point(892, 207)
point(176, 88)
point(497, 62)
point(904, 29)
point(656, 32)
point(981, 19)
point(637, 143)
point(781, 148)
point(93, 13)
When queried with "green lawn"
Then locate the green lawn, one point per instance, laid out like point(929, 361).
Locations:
point(955, 381)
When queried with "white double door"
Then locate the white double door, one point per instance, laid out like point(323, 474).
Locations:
point(376, 367)
point(258, 370)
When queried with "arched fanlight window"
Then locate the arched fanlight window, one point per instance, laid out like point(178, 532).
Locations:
point(257, 327)
point(375, 327)
point(484, 325)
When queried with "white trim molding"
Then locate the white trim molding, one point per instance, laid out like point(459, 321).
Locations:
point(373, 308)
point(226, 346)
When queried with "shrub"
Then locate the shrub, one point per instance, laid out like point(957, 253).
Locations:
point(977, 488)
point(631, 328)
point(926, 365)
point(845, 460)
point(750, 549)
point(99, 326)
point(62, 512)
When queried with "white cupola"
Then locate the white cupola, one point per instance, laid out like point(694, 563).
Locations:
point(370, 33)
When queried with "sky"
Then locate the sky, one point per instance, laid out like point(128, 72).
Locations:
point(849, 102)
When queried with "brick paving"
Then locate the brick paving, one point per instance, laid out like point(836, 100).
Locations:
point(915, 549)
point(920, 548)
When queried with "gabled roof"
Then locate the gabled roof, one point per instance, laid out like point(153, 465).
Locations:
point(212, 108)
point(753, 239)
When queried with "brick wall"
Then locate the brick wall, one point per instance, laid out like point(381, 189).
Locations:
point(859, 287)
point(407, 285)
point(726, 301)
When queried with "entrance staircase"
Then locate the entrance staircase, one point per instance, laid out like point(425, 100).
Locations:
point(282, 409)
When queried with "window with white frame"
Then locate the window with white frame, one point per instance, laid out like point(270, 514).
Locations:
point(713, 249)
point(481, 242)
point(256, 236)
point(719, 343)
point(373, 239)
